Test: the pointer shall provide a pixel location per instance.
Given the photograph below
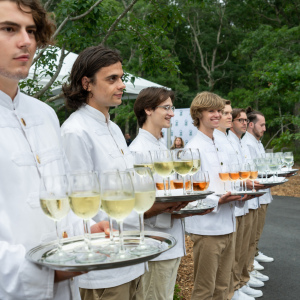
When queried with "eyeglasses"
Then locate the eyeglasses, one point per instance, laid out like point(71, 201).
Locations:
point(242, 120)
point(167, 107)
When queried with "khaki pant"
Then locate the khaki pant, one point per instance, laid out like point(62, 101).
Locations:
point(238, 236)
point(262, 212)
point(244, 276)
point(159, 282)
point(126, 291)
point(213, 259)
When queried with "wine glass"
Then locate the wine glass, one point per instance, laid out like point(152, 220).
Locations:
point(183, 163)
point(55, 204)
point(201, 183)
point(144, 189)
point(288, 159)
point(143, 159)
point(170, 182)
point(274, 167)
point(253, 173)
point(84, 197)
point(260, 166)
point(163, 165)
point(196, 165)
point(244, 174)
point(234, 175)
point(224, 175)
point(118, 201)
point(267, 166)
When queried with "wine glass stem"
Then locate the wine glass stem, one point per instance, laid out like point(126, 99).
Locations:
point(169, 185)
point(224, 186)
point(183, 180)
point(111, 231)
point(192, 185)
point(87, 234)
point(253, 185)
point(246, 185)
point(165, 191)
point(122, 247)
point(142, 236)
point(59, 245)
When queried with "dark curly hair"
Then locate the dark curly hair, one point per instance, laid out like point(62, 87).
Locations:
point(252, 114)
point(88, 63)
point(150, 98)
point(44, 25)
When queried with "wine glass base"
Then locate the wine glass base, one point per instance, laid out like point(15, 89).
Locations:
point(109, 249)
point(59, 257)
point(90, 257)
point(144, 250)
point(122, 256)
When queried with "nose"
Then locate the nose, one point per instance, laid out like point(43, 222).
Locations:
point(25, 39)
point(122, 86)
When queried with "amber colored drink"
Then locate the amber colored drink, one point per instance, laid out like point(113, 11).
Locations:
point(178, 184)
point(224, 176)
point(244, 175)
point(200, 186)
point(234, 176)
point(253, 175)
point(160, 185)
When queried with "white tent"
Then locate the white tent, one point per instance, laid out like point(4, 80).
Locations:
point(131, 92)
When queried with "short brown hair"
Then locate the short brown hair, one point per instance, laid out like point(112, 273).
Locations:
point(88, 63)
point(252, 114)
point(236, 112)
point(45, 27)
point(150, 98)
point(204, 101)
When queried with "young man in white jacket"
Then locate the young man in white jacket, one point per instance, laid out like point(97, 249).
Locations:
point(154, 110)
point(212, 234)
point(30, 148)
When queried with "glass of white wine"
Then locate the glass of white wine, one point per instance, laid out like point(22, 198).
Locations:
point(144, 188)
point(84, 197)
point(183, 163)
point(118, 201)
point(163, 165)
point(288, 158)
point(55, 204)
point(143, 159)
point(196, 165)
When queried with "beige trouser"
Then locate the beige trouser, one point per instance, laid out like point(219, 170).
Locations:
point(159, 282)
point(213, 259)
point(244, 276)
point(262, 212)
point(126, 291)
point(236, 267)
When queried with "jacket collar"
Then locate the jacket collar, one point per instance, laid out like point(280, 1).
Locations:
point(7, 102)
point(205, 137)
point(95, 114)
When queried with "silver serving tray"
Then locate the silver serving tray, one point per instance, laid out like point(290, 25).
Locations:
point(191, 211)
point(131, 239)
point(245, 193)
point(286, 172)
point(182, 198)
point(273, 183)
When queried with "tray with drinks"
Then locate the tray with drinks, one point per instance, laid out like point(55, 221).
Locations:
point(191, 210)
point(252, 193)
point(161, 240)
point(283, 172)
point(177, 196)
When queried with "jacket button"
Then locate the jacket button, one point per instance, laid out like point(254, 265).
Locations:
point(38, 159)
point(23, 121)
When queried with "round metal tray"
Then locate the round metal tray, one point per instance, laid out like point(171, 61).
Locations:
point(196, 210)
point(162, 240)
point(245, 193)
point(182, 198)
point(273, 183)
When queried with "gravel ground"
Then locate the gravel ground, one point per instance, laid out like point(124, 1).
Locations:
point(185, 273)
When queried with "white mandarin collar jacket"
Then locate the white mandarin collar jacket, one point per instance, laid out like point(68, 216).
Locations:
point(30, 147)
point(235, 157)
point(145, 141)
point(256, 149)
point(93, 142)
point(222, 220)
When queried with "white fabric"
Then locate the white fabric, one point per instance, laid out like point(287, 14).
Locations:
point(23, 224)
point(162, 222)
point(256, 150)
point(92, 142)
point(222, 220)
point(222, 142)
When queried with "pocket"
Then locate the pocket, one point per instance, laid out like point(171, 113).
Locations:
point(49, 155)
point(23, 158)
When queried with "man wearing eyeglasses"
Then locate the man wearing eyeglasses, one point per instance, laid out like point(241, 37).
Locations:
point(154, 110)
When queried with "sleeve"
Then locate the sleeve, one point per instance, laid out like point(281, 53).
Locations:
point(21, 279)
point(160, 221)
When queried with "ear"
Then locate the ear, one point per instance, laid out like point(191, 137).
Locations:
point(85, 83)
point(251, 124)
point(148, 111)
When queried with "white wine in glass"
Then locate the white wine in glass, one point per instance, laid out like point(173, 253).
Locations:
point(85, 202)
point(196, 165)
point(143, 159)
point(55, 204)
point(144, 187)
point(118, 201)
